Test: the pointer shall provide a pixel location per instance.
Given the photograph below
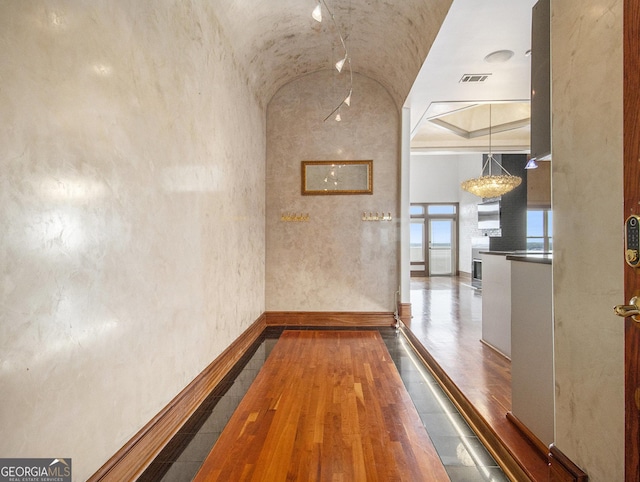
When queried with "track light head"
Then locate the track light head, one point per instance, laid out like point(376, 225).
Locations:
point(317, 13)
point(348, 99)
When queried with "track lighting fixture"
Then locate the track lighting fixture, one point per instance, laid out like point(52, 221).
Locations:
point(317, 13)
point(339, 65)
point(348, 99)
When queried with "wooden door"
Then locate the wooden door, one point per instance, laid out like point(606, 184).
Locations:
point(632, 206)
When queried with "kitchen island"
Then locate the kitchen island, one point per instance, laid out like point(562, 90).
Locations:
point(496, 301)
point(532, 384)
point(517, 321)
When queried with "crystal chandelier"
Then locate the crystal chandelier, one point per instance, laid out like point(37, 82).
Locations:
point(491, 185)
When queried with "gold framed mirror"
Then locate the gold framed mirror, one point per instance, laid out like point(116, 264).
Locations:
point(337, 177)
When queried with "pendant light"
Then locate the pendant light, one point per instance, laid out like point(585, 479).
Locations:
point(492, 185)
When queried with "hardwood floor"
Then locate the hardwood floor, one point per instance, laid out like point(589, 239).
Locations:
point(298, 426)
point(447, 321)
point(327, 405)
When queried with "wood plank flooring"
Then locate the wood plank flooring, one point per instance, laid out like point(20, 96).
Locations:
point(328, 406)
point(447, 320)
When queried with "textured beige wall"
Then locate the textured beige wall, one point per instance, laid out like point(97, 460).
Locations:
point(335, 261)
point(588, 258)
point(132, 217)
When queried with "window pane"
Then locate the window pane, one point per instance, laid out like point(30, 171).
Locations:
point(440, 233)
point(535, 244)
point(535, 223)
point(550, 223)
point(413, 210)
point(442, 209)
point(416, 240)
point(440, 244)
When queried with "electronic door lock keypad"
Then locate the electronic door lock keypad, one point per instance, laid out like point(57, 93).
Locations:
point(632, 240)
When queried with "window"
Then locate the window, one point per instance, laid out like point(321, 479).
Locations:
point(434, 209)
point(539, 230)
point(434, 239)
point(416, 210)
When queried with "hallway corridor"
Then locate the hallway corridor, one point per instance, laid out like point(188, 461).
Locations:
point(447, 325)
point(457, 448)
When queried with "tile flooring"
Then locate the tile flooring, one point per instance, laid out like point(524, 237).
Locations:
point(462, 453)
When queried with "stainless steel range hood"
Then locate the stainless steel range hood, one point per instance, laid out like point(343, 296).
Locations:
point(541, 81)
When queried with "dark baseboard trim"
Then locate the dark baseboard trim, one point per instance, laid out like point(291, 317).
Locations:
point(329, 318)
point(528, 434)
point(404, 313)
point(480, 426)
point(136, 455)
point(562, 469)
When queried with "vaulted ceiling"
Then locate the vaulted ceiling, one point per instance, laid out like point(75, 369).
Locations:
point(277, 41)
point(419, 50)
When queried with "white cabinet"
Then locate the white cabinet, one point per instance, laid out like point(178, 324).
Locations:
point(532, 397)
point(517, 320)
point(496, 302)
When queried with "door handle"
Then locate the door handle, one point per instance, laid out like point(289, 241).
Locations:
point(632, 309)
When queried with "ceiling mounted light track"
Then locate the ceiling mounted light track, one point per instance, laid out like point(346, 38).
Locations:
point(339, 65)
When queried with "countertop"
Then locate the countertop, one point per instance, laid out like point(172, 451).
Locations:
point(532, 257)
point(524, 256)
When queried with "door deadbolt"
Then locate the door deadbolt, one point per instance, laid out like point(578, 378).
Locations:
point(632, 241)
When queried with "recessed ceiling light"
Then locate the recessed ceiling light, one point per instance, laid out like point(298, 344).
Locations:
point(499, 56)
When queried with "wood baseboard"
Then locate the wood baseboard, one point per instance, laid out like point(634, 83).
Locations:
point(329, 318)
point(562, 469)
point(136, 455)
point(404, 313)
point(529, 435)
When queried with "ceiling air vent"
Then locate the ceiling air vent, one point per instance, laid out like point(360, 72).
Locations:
point(473, 78)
